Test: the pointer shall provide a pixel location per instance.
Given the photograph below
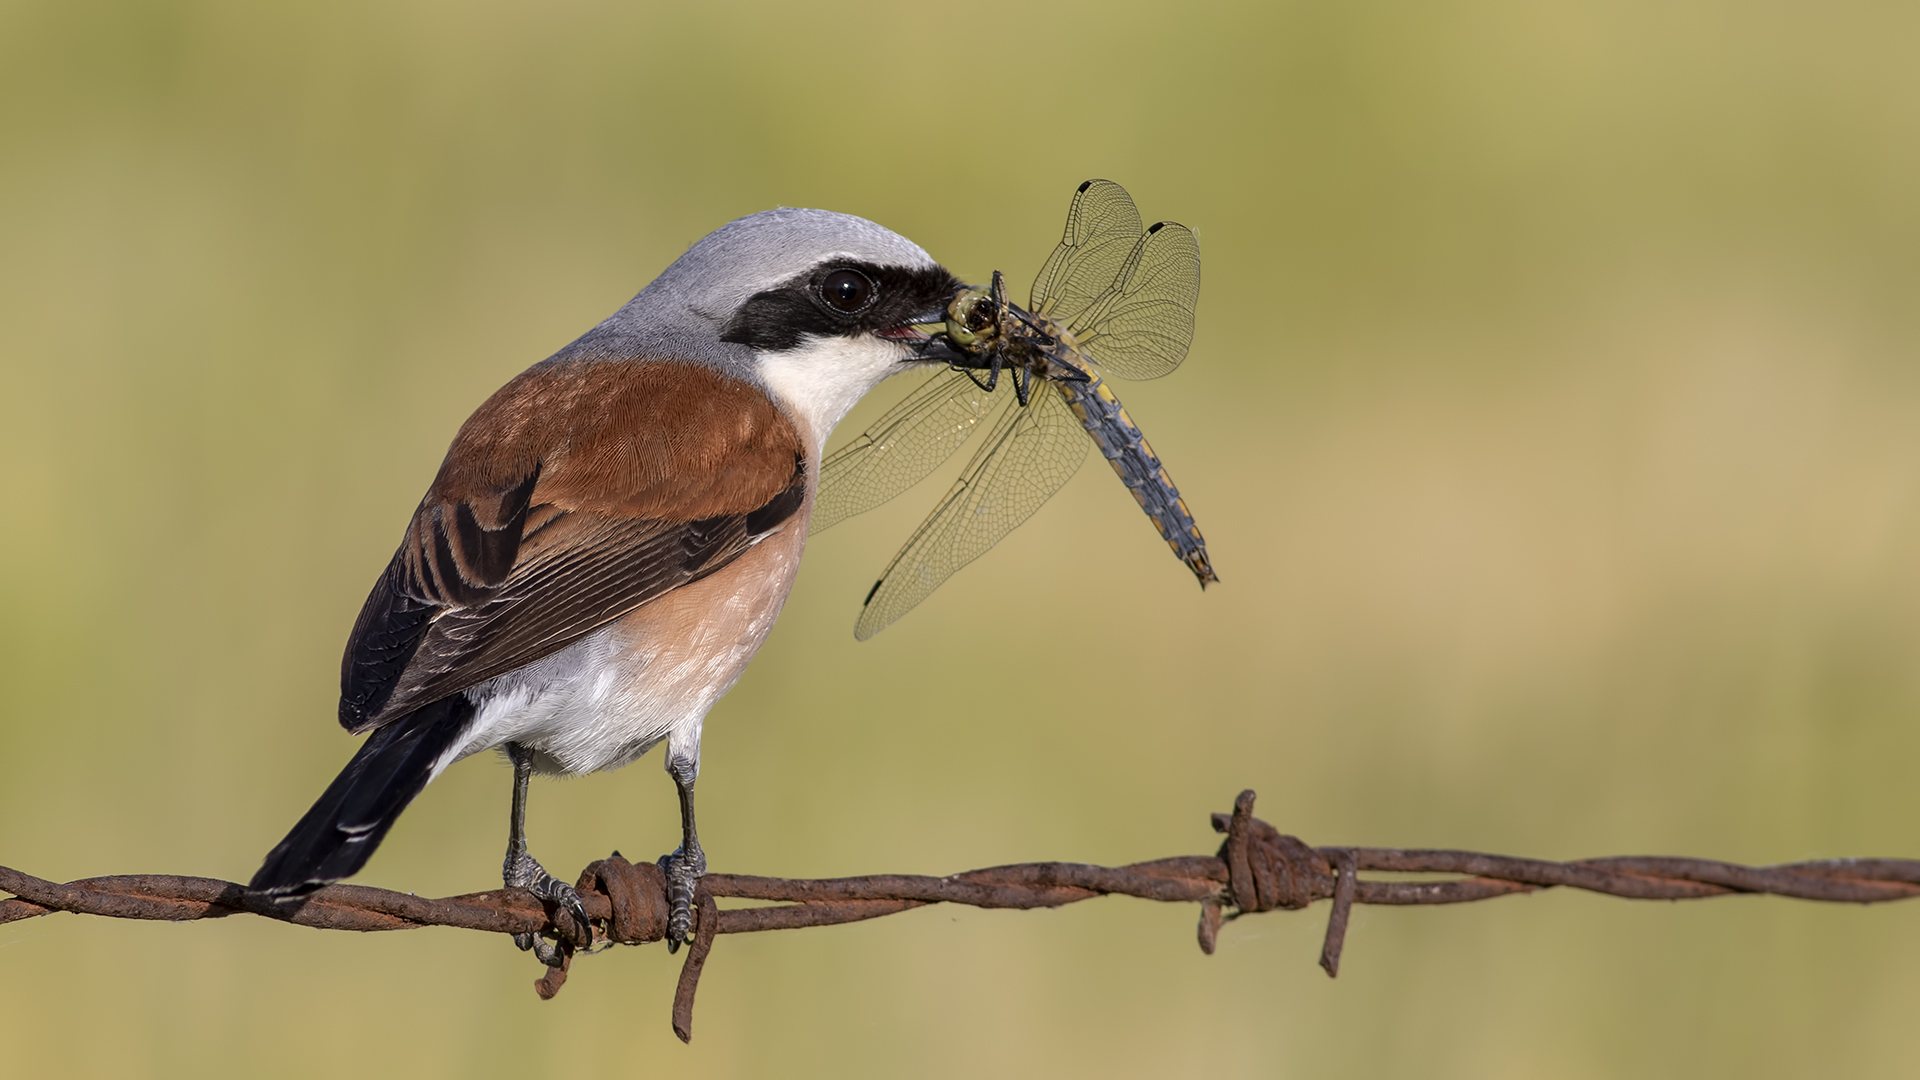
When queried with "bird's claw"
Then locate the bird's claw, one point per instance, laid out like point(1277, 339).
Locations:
point(683, 872)
point(563, 895)
point(524, 872)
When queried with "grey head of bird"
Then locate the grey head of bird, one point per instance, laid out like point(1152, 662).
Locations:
point(813, 306)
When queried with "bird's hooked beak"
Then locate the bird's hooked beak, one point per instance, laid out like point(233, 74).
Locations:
point(926, 338)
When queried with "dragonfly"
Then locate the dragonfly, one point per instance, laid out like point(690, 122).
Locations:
point(1113, 298)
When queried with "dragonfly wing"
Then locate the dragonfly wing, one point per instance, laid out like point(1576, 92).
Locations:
point(1141, 327)
point(1102, 229)
point(1029, 453)
point(900, 449)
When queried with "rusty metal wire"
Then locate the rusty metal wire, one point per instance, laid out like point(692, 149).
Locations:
point(1257, 869)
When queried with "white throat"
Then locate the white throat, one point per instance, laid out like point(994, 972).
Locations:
point(825, 377)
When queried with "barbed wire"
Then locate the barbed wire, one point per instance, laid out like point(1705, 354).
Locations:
point(1257, 869)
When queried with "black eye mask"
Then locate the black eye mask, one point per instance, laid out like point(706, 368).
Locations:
point(842, 298)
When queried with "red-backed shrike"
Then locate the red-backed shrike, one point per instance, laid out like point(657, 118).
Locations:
point(613, 533)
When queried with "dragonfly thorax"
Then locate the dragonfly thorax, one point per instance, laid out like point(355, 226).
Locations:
point(996, 335)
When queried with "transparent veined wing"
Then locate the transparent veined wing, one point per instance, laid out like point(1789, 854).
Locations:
point(1103, 228)
point(1028, 455)
point(1141, 327)
point(901, 448)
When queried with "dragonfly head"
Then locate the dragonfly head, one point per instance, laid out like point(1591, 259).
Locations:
point(972, 322)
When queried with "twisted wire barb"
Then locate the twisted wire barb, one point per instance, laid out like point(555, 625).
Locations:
point(1258, 868)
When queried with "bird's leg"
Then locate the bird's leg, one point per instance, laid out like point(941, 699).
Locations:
point(685, 866)
point(522, 871)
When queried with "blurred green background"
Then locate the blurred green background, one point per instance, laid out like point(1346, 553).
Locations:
point(1554, 420)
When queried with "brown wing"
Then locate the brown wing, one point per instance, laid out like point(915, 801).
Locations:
point(576, 494)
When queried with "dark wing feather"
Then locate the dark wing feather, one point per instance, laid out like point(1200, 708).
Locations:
point(576, 494)
point(433, 628)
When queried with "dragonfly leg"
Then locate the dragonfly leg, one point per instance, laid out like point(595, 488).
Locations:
point(993, 374)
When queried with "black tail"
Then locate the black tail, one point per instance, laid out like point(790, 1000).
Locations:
point(337, 837)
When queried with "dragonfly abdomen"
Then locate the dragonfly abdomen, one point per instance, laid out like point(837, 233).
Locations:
point(1126, 449)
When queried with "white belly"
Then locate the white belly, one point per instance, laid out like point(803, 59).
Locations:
point(608, 698)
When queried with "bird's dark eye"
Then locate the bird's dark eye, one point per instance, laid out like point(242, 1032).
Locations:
point(847, 290)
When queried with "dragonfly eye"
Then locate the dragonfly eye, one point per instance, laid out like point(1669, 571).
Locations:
point(970, 322)
point(847, 290)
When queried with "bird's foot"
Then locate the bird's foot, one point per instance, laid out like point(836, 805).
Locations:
point(683, 872)
point(524, 872)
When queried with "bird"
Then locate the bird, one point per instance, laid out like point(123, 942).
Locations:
point(612, 535)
